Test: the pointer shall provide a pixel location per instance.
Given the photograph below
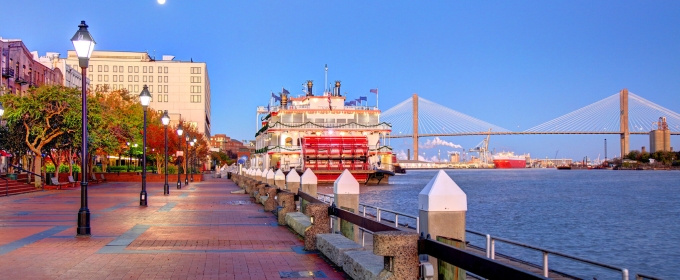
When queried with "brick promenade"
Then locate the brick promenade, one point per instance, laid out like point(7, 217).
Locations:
point(199, 232)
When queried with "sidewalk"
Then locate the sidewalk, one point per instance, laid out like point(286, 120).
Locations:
point(199, 232)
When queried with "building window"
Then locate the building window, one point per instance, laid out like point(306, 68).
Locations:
point(165, 69)
point(144, 78)
point(195, 89)
point(99, 68)
point(165, 79)
point(106, 68)
point(151, 88)
point(160, 69)
point(106, 78)
point(144, 69)
point(136, 88)
point(151, 99)
point(120, 78)
point(150, 69)
point(115, 87)
point(129, 69)
point(99, 78)
point(136, 78)
point(115, 77)
point(160, 79)
point(130, 78)
point(165, 97)
point(195, 79)
point(115, 68)
point(195, 70)
point(91, 68)
point(165, 89)
point(151, 77)
point(120, 69)
point(195, 99)
point(136, 69)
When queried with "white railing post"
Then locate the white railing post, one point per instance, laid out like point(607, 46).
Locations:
point(493, 249)
point(545, 264)
point(378, 213)
point(418, 225)
point(488, 246)
point(624, 274)
point(396, 221)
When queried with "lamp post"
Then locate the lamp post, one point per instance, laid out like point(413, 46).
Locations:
point(192, 160)
point(127, 169)
point(166, 120)
point(195, 141)
point(83, 43)
point(179, 144)
point(144, 98)
point(186, 174)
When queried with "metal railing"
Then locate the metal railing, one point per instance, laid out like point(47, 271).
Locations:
point(330, 199)
point(310, 125)
point(491, 254)
point(641, 276)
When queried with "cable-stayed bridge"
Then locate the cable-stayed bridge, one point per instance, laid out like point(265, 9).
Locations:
point(623, 113)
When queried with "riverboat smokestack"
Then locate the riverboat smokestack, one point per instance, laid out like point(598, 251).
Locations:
point(309, 88)
point(284, 101)
point(337, 88)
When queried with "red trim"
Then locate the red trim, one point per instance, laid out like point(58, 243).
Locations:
point(5, 154)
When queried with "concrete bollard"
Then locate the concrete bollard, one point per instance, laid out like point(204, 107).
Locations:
point(257, 176)
point(442, 206)
point(308, 183)
point(270, 177)
point(287, 203)
point(293, 181)
point(400, 250)
point(318, 213)
point(346, 193)
point(270, 204)
point(280, 180)
point(264, 175)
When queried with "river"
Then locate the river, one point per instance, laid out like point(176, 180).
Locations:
point(629, 219)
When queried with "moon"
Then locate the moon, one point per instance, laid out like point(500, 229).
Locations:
point(161, 2)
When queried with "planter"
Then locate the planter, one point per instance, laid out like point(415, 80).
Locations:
point(48, 178)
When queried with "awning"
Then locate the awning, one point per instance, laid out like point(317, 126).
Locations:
point(5, 154)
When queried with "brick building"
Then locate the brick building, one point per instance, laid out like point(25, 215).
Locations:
point(232, 147)
point(20, 71)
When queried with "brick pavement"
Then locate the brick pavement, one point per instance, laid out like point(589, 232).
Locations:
point(199, 232)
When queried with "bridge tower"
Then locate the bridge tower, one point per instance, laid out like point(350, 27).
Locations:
point(415, 126)
point(625, 133)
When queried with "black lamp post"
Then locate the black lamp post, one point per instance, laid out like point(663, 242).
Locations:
point(144, 98)
point(84, 44)
point(166, 120)
point(192, 143)
point(179, 144)
point(186, 173)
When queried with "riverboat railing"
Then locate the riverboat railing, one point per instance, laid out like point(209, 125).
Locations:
point(311, 125)
point(306, 107)
point(491, 254)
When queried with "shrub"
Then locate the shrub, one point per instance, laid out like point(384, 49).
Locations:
point(96, 168)
point(76, 168)
point(172, 169)
point(49, 168)
point(63, 168)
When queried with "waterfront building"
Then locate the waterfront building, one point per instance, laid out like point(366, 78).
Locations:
point(19, 69)
point(232, 147)
point(181, 87)
point(71, 76)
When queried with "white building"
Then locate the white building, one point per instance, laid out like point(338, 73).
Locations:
point(72, 77)
point(181, 87)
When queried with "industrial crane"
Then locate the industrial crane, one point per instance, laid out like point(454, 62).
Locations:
point(483, 149)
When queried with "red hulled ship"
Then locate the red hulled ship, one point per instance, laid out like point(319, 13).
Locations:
point(509, 160)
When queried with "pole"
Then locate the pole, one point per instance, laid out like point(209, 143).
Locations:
point(143, 195)
point(186, 164)
point(166, 187)
point(84, 213)
point(192, 166)
point(179, 148)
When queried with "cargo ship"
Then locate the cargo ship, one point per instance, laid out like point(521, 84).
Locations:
point(509, 160)
point(326, 133)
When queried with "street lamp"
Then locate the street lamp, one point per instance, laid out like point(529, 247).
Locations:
point(179, 144)
point(166, 120)
point(144, 98)
point(192, 158)
point(186, 174)
point(83, 44)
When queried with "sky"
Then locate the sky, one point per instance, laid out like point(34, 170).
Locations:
point(515, 64)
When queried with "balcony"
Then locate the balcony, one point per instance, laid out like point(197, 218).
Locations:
point(7, 72)
point(351, 126)
point(21, 79)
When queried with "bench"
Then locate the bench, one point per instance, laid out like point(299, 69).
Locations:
point(72, 181)
point(93, 178)
point(103, 179)
point(56, 182)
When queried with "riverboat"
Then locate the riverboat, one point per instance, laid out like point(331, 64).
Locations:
point(325, 133)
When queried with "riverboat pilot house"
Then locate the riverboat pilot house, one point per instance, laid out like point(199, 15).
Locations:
point(325, 133)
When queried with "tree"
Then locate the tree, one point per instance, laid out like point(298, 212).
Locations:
point(41, 116)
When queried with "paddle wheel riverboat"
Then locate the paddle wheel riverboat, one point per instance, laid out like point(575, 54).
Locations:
point(325, 133)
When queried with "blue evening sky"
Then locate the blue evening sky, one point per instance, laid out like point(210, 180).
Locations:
point(515, 64)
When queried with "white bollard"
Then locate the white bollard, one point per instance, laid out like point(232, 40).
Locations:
point(280, 180)
point(293, 181)
point(346, 193)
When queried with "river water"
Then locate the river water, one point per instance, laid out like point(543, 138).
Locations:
point(629, 219)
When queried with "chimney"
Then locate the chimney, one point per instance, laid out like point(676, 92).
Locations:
point(337, 88)
point(284, 101)
point(309, 88)
point(643, 150)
